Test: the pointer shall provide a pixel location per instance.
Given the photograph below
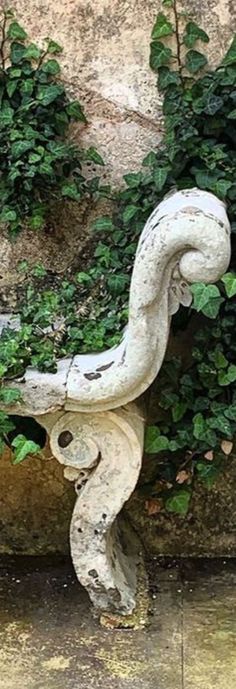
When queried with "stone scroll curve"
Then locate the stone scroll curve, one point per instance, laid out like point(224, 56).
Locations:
point(185, 240)
point(102, 453)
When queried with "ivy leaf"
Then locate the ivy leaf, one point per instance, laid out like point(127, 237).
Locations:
point(14, 72)
point(199, 426)
point(205, 180)
point(167, 77)
point(51, 67)
point(103, 224)
point(204, 298)
point(6, 425)
point(57, 149)
point(159, 55)
point(167, 399)
point(211, 309)
point(17, 52)
point(154, 441)
point(92, 154)
point(27, 87)
point(149, 159)
point(83, 278)
point(232, 115)
point(179, 410)
point(230, 57)
point(36, 221)
point(227, 377)
point(6, 115)
point(213, 104)
point(229, 280)
point(230, 412)
point(178, 502)
point(39, 271)
point(16, 32)
point(117, 283)
point(47, 93)
point(32, 52)
point(162, 27)
point(194, 33)
point(70, 190)
point(160, 177)
point(34, 158)
point(221, 424)
point(9, 396)
point(208, 472)
point(194, 61)
point(8, 13)
point(11, 86)
point(23, 447)
point(7, 214)
point(219, 359)
point(222, 187)
point(45, 169)
point(53, 47)
point(129, 212)
point(133, 179)
point(18, 148)
point(75, 110)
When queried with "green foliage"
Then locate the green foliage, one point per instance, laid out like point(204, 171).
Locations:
point(178, 502)
point(36, 161)
point(197, 407)
point(23, 448)
point(197, 403)
point(206, 298)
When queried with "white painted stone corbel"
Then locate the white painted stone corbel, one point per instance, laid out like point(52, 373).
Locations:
point(185, 240)
point(102, 454)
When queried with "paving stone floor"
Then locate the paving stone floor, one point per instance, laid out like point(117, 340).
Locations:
point(50, 640)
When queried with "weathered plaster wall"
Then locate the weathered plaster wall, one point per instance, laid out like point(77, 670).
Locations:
point(105, 64)
point(36, 504)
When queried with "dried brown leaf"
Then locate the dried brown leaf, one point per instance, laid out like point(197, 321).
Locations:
point(153, 506)
point(182, 476)
point(226, 446)
point(209, 455)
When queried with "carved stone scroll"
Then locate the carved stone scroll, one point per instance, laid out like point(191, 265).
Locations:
point(185, 240)
point(102, 453)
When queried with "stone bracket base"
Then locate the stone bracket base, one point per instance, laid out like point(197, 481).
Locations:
point(102, 454)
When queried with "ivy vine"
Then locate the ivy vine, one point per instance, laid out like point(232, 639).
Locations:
point(38, 163)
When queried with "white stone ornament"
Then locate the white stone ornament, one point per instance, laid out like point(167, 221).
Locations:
point(185, 240)
point(104, 450)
